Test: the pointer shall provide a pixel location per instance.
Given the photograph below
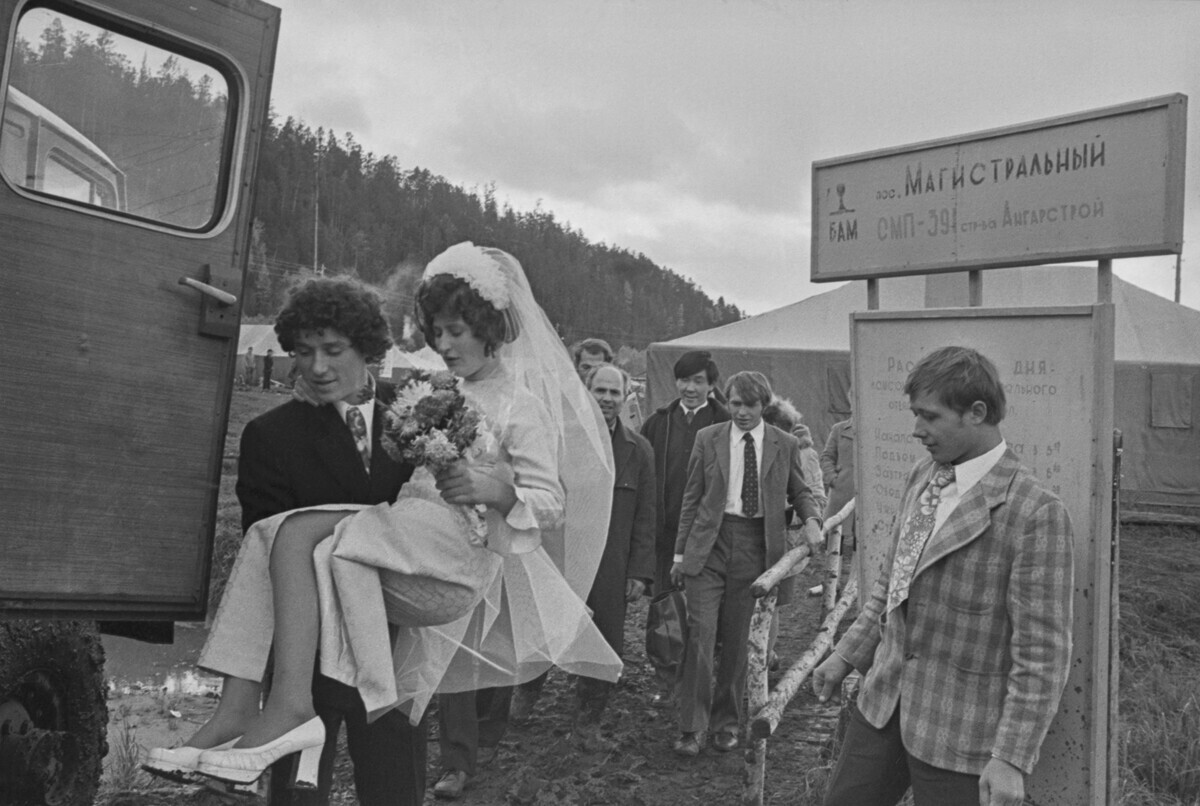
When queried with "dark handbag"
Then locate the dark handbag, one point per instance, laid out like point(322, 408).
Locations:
point(666, 630)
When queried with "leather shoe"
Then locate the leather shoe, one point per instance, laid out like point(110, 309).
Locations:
point(724, 740)
point(179, 764)
point(687, 745)
point(244, 765)
point(451, 785)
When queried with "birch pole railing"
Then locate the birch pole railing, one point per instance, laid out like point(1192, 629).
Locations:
point(767, 709)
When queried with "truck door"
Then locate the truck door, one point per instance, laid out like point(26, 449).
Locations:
point(129, 142)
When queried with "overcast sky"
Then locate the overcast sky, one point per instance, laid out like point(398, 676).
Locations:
point(686, 129)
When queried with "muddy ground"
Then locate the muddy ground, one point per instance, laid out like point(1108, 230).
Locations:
point(156, 698)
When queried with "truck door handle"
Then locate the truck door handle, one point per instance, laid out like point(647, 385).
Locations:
point(222, 297)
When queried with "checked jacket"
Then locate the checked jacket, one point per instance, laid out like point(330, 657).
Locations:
point(978, 657)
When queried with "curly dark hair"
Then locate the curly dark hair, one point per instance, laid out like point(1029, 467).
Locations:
point(453, 296)
point(344, 304)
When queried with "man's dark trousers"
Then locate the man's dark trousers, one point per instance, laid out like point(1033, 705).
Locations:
point(297, 455)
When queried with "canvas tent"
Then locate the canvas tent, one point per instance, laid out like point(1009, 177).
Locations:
point(804, 348)
point(262, 338)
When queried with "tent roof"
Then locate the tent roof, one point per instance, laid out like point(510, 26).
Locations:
point(260, 337)
point(1149, 328)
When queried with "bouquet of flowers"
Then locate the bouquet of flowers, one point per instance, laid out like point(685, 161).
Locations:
point(430, 425)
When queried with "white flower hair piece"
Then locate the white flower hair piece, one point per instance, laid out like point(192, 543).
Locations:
point(470, 263)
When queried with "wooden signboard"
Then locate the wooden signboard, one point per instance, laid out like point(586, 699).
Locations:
point(1056, 364)
point(1101, 184)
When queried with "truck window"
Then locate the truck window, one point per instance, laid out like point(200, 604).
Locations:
point(101, 118)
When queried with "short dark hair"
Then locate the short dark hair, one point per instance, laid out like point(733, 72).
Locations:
point(592, 346)
point(960, 376)
point(752, 387)
point(453, 296)
point(591, 373)
point(342, 303)
point(697, 361)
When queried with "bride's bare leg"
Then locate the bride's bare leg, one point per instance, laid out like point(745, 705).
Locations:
point(297, 626)
point(238, 707)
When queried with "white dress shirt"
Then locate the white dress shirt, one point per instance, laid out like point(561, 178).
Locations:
point(966, 476)
point(737, 468)
point(368, 413)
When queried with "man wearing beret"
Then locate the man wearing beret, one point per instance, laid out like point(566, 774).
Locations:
point(672, 432)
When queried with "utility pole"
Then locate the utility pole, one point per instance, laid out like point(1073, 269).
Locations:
point(1178, 260)
point(316, 209)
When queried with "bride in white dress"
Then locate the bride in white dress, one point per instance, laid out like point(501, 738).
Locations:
point(465, 613)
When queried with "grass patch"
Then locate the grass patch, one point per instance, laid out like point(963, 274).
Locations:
point(1160, 681)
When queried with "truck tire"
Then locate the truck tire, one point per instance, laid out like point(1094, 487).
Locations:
point(53, 713)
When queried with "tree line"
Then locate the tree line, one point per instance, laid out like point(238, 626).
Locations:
point(373, 218)
point(324, 204)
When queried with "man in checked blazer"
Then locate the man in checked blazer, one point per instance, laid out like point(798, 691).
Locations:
point(964, 656)
point(732, 527)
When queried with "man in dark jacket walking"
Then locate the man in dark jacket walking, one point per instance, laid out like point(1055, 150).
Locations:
point(672, 431)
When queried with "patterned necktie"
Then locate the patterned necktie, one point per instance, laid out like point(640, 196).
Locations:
point(689, 415)
point(362, 440)
point(915, 534)
point(750, 479)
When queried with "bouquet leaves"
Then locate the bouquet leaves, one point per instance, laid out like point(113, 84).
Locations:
point(429, 424)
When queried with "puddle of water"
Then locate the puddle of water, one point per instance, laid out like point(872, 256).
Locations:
point(131, 666)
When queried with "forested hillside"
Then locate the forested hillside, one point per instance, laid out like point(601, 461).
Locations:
point(384, 222)
point(318, 194)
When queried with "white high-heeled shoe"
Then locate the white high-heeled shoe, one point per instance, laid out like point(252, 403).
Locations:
point(244, 765)
point(179, 764)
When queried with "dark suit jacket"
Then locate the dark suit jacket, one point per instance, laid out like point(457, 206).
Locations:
point(629, 551)
point(297, 455)
point(781, 481)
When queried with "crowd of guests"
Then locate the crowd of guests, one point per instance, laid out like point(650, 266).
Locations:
point(963, 642)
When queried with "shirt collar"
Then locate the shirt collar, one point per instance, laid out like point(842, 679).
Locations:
point(736, 434)
point(685, 409)
point(968, 474)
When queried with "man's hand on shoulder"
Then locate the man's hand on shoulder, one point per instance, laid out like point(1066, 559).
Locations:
point(1001, 784)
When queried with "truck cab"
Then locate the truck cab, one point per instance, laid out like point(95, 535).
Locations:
point(129, 144)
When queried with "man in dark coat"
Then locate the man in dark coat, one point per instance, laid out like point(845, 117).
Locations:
point(672, 431)
point(627, 565)
point(299, 455)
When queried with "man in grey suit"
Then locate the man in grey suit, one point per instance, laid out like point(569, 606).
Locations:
point(742, 477)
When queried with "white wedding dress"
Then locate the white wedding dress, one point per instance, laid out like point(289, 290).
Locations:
point(465, 616)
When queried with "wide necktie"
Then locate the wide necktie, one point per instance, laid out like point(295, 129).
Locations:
point(750, 479)
point(358, 429)
point(916, 533)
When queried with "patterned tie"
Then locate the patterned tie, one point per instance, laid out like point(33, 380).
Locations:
point(362, 440)
point(915, 534)
point(750, 479)
point(689, 415)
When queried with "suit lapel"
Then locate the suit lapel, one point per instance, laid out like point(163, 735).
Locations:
point(721, 446)
point(770, 450)
point(335, 447)
point(622, 449)
point(972, 516)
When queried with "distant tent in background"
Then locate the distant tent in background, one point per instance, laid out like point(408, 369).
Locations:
point(262, 338)
point(804, 348)
point(397, 361)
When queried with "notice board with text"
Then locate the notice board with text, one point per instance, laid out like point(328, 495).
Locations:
point(1056, 365)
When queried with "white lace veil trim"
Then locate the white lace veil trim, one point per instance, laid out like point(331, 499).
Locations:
point(539, 361)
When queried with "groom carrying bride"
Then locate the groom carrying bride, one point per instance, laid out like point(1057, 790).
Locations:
point(298, 455)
